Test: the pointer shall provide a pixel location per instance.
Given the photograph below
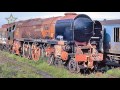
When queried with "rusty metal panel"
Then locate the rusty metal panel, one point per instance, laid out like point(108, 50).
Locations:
point(35, 28)
point(69, 16)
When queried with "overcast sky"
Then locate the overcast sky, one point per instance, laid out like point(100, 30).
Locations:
point(29, 15)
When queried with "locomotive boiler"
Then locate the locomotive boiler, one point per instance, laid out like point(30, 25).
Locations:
point(77, 27)
point(72, 27)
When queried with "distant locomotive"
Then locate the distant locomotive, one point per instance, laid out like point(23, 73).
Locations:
point(73, 40)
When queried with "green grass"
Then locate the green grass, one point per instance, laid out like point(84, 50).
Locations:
point(42, 65)
point(52, 70)
point(115, 73)
point(7, 72)
point(15, 69)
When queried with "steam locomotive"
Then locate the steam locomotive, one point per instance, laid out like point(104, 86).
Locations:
point(74, 40)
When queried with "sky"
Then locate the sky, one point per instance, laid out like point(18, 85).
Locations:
point(30, 15)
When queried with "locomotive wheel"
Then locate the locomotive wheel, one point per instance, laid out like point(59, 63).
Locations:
point(42, 53)
point(6, 48)
point(13, 52)
point(1, 47)
point(33, 51)
point(10, 49)
point(21, 51)
point(26, 51)
point(58, 62)
point(85, 71)
point(36, 53)
point(50, 60)
point(78, 68)
point(72, 66)
point(98, 67)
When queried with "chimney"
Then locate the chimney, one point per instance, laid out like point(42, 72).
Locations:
point(104, 20)
point(70, 14)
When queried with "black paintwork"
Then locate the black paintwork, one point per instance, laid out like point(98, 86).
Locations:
point(64, 28)
point(83, 29)
point(10, 33)
point(79, 29)
point(98, 29)
point(99, 35)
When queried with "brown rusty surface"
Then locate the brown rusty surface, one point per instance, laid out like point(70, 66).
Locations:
point(49, 50)
point(36, 53)
point(58, 50)
point(64, 55)
point(16, 47)
point(7, 25)
point(3, 29)
point(69, 16)
point(38, 27)
point(80, 57)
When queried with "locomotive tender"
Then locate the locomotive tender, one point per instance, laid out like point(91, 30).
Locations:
point(74, 40)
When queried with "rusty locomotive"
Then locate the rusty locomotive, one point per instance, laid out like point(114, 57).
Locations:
point(74, 40)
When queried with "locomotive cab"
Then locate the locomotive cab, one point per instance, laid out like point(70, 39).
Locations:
point(10, 31)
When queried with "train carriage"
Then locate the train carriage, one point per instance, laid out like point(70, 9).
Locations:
point(111, 42)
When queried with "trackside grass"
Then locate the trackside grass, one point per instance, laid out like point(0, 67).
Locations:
point(29, 65)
